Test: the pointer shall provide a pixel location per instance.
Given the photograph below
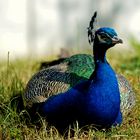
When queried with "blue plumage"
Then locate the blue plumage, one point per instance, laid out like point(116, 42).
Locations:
point(94, 101)
point(110, 31)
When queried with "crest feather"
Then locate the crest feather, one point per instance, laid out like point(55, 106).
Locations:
point(91, 28)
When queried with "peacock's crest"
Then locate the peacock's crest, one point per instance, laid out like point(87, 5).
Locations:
point(92, 29)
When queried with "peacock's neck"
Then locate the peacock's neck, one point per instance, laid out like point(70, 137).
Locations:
point(99, 54)
point(102, 70)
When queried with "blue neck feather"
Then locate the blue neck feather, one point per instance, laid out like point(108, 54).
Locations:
point(104, 90)
point(99, 55)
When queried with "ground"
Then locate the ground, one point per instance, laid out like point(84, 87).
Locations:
point(14, 76)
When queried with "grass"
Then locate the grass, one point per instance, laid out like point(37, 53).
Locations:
point(13, 79)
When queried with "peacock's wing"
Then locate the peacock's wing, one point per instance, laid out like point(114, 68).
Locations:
point(58, 78)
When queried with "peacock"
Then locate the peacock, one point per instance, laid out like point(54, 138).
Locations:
point(93, 101)
point(63, 74)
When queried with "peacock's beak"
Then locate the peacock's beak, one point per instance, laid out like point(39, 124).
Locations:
point(116, 40)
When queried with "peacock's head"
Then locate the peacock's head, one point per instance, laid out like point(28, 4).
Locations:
point(106, 37)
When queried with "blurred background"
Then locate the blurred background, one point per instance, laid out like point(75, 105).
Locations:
point(38, 28)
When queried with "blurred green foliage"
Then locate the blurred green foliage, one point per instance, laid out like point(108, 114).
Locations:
point(136, 45)
point(132, 64)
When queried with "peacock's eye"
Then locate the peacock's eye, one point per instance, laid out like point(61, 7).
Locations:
point(103, 36)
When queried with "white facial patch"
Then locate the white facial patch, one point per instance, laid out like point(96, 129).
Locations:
point(115, 38)
point(100, 39)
